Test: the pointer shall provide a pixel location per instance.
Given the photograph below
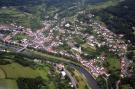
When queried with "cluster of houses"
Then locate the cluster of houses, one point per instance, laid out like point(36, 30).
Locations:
point(95, 70)
point(115, 44)
point(51, 36)
point(124, 65)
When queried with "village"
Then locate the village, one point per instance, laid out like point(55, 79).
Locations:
point(59, 38)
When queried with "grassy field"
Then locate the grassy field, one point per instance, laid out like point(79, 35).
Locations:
point(103, 4)
point(80, 80)
point(20, 36)
point(52, 86)
point(16, 70)
point(43, 72)
point(86, 45)
point(11, 15)
point(52, 57)
point(114, 64)
point(2, 74)
point(9, 73)
point(89, 49)
point(8, 84)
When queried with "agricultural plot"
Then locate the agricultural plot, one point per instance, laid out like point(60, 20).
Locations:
point(8, 84)
point(2, 74)
point(15, 70)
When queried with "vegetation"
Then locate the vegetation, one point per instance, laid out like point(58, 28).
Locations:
point(8, 84)
point(12, 15)
point(30, 76)
point(15, 70)
point(81, 82)
point(113, 66)
point(20, 36)
point(29, 83)
point(119, 18)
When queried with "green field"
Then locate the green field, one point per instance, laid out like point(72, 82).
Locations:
point(20, 36)
point(81, 84)
point(9, 73)
point(113, 64)
point(43, 72)
point(2, 74)
point(8, 84)
point(16, 70)
point(52, 86)
point(89, 50)
point(103, 5)
point(86, 45)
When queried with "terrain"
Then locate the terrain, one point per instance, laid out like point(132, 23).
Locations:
point(71, 44)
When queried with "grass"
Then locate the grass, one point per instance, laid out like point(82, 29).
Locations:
point(80, 80)
point(134, 54)
point(52, 86)
point(53, 57)
point(114, 64)
point(89, 49)
point(8, 84)
point(43, 72)
point(86, 45)
point(11, 15)
point(2, 74)
point(103, 5)
point(20, 36)
point(16, 70)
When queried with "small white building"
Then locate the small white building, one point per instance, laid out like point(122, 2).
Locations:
point(63, 73)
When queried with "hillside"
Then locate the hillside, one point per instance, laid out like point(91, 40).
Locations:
point(120, 19)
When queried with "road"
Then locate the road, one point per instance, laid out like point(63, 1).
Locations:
point(92, 82)
point(74, 82)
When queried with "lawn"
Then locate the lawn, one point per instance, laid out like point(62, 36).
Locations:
point(8, 84)
point(43, 72)
point(16, 70)
point(2, 74)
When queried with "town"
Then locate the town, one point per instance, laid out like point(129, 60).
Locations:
point(63, 38)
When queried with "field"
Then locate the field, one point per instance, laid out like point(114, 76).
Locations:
point(15, 70)
point(103, 5)
point(2, 74)
point(8, 84)
point(91, 51)
point(113, 64)
point(52, 86)
point(43, 72)
point(81, 84)
point(9, 73)
point(11, 15)
point(86, 45)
